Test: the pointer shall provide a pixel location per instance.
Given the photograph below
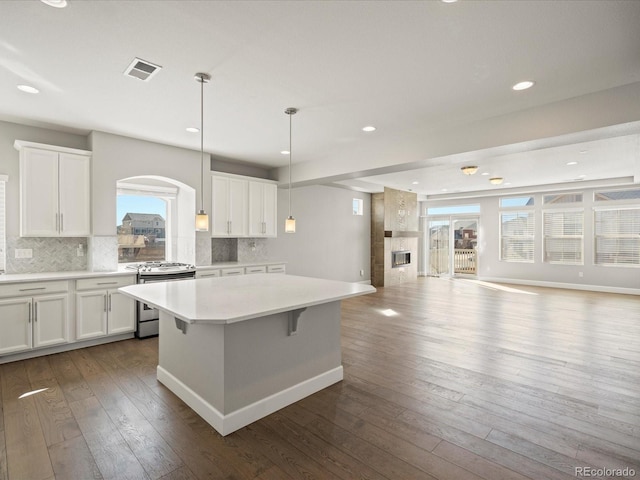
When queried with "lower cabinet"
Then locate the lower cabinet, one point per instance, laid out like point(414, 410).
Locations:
point(33, 322)
point(105, 311)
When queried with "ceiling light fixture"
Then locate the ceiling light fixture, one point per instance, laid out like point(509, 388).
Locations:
point(496, 180)
point(484, 174)
point(415, 183)
point(469, 169)
point(523, 85)
point(55, 3)
point(369, 128)
point(285, 152)
point(290, 222)
point(192, 129)
point(572, 163)
point(28, 89)
point(202, 219)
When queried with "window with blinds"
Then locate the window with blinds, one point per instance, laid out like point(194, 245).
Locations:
point(563, 232)
point(617, 236)
point(3, 237)
point(517, 236)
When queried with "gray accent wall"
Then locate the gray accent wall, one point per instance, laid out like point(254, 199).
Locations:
point(330, 242)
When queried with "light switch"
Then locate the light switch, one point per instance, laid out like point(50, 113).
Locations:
point(24, 253)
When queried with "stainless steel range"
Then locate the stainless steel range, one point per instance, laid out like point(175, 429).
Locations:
point(147, 317)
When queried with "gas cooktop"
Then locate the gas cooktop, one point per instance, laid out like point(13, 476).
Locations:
point(161, 267)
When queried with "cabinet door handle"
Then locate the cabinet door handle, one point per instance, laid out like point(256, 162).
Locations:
point(57, 222)
point(109, 302)
point(61, 222)
point(30, 312)
point(35, 311)
point(32, 289)
point(107, 283)
point(105, 302)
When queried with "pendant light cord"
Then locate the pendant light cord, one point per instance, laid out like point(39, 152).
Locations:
point(290, 164)
point(202, 144)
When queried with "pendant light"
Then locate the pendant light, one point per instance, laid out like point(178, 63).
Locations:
point(290, 222)
point(202, 219)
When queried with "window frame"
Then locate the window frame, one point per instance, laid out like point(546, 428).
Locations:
point(530, 212)
point(561, 209)
point(618, 206)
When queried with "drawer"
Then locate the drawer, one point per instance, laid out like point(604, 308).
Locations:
point(33, 288)
point(208, 273)
point(225, 272)
point(104, 283)
point(276, 269)
point(261, 269)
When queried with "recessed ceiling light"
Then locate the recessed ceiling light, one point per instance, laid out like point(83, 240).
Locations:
point(55, 3)
point(444, 190)
point(449, 1)
point(582, 152)
point(369, 128)
point(484, 174)
point(28, 89)
point(192, 129)
point(415, 183)
point(285, 152)
point(572, 163)
point(523, 85)
point(582, 176)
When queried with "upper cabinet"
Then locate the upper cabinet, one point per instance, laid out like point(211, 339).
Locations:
point(55, 199)
point(243, 207)
point(229, 212)
point(263, 198)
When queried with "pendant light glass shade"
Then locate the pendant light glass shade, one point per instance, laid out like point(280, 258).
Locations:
point(290, 222)
point(202, 219)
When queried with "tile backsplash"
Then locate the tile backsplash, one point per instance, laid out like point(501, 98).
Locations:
point(47, 254)
point(238, 250)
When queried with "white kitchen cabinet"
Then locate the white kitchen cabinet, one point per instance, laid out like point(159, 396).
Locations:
point(281, 268)
point(228, 272)
point(229, 206)
point(207, 273)
point(54, 191)
point(101, 310)
point(263, 201)
point(30, 321)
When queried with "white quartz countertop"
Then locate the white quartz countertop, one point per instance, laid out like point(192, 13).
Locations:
point(223, 300)
point(72, 275)
point(218, 265)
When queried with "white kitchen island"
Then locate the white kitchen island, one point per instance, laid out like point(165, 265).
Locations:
point(236, 349)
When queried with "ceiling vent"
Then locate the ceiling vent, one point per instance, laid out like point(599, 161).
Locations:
point(141, 69)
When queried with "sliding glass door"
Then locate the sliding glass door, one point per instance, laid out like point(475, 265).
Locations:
point(451, 245)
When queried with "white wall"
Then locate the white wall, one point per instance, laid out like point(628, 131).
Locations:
point(490, 267)
point(330, 242)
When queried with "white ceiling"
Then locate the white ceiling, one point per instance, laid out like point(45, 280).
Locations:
point(412, 69)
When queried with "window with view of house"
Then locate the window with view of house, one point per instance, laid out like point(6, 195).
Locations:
point(144, 226)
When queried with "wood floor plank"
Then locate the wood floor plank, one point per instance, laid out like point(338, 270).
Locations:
point(26, 449)
point(72, 459)
point(112, 455)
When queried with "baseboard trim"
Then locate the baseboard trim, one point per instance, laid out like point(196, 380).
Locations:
point(64, 347)
point(570, 286)
point(226, 424)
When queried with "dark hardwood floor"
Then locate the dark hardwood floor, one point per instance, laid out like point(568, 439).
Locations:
point(446, 379)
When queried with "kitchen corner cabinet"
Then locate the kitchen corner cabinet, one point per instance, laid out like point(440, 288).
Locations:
point(101, 309)
point(229, 206)
point(263, 199)
point(34, 316)
point(54, 191)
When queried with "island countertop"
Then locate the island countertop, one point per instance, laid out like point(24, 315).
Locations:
point(225, 300)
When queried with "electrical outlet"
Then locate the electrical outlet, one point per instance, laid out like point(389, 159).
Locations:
point(80, 251)
point(24, 253)
point(580, 274)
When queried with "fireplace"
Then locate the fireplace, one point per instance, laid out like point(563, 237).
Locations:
point(400, 258)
